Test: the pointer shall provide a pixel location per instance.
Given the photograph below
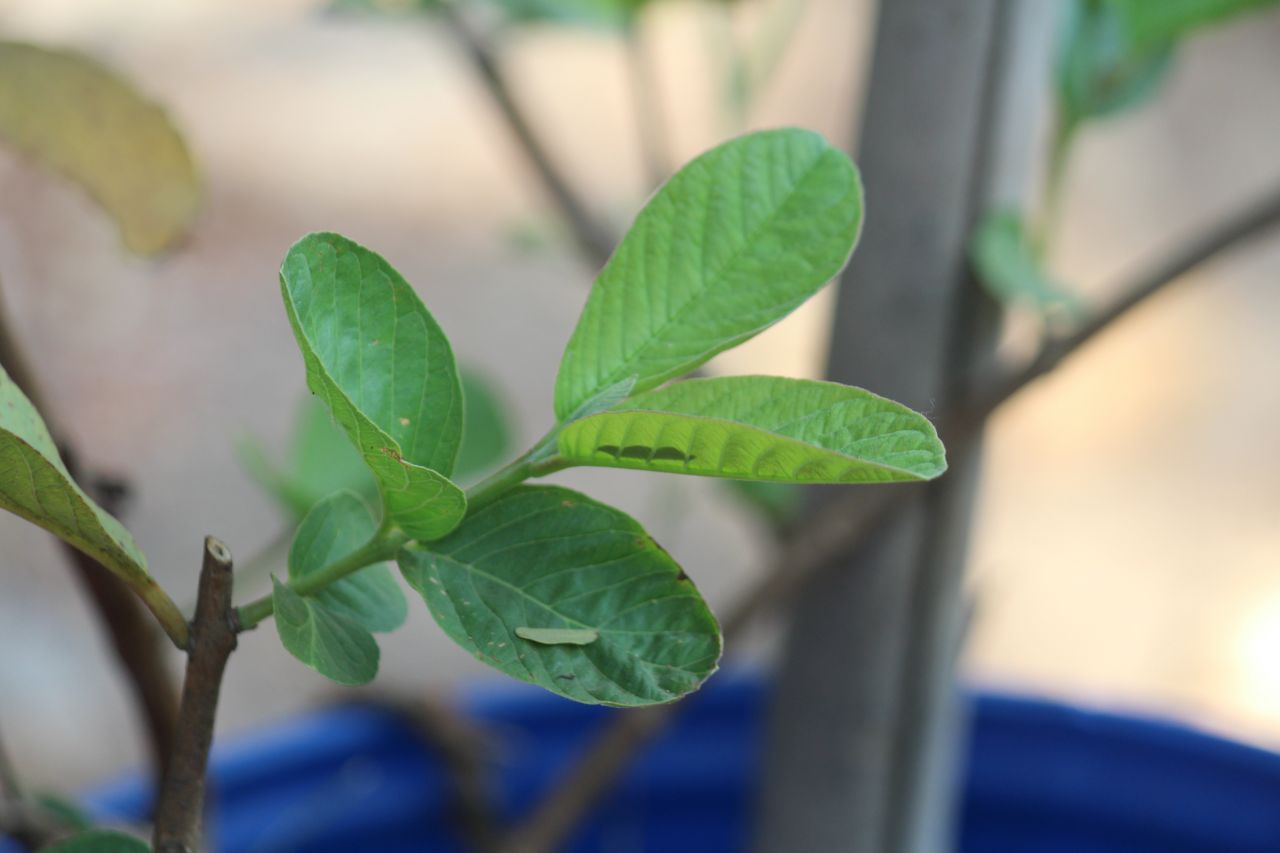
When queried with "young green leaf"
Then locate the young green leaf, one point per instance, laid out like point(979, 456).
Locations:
point(78, 118)
point(330, 643)
point(545, 559)
point(380, 363)
point(335, 528)
point(35, 484)
point(1147, 23)
point(734, 242)
point(487, 436)
point(1100, 71)
point(761, 428)
point(99, 841)
point(1007, 266)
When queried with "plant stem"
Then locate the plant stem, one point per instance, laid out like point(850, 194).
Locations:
point(1064, 133)
point(383, 546)
point(593, 240)
point(180, 805)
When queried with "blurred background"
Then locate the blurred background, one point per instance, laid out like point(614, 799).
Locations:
point(1126, 553)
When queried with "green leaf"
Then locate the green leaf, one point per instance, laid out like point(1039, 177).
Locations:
point(99, 841)
point(545, 558)
point(335, 528)
point(1100, 72)
point(559, 636)
point(320, 461)
point(761, 428)
point(1149, 23)
point(734, 242)
point(1008, 267)
point(379, 362)
point(76, 117)
point(486, 439)
point(34, 484)
point(331, 644)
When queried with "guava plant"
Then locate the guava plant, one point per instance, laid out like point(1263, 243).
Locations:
point(542, 582)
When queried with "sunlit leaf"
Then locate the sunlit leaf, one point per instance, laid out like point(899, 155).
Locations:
point(380, 363)
point(734, 242)
point(335, 528)
point(1006, 264)
point(331, 644)
point(548, 559)
point(77, 117)
point(761, 428)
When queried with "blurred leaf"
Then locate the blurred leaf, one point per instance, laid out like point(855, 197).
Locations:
point(1100, 71)
point(77, 117)
point(377, 359)
point(331, 644)
point(734, 242)
point(65, 811)
point(1007, 265)
point(335, 528)
point(615, 14)
point(761, 428)
point(779, 503)
point(486, 437)
point(321, 461)
point(1154, 22)
point(35, 485)
point(543, 558)
point(99, 841)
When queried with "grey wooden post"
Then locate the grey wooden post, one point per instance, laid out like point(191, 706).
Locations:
point(859, 753)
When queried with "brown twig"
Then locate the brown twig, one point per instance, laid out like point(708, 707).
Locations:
point(594, 242)
point(180, 807)
point(841, 525)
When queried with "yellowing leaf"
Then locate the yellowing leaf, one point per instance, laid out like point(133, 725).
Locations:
point(76, 117)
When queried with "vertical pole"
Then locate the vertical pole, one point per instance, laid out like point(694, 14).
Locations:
point(859, 753)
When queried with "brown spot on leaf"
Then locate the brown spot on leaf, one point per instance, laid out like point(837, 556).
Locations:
point(404, 422)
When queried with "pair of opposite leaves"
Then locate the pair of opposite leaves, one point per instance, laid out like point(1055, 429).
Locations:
point(544, 583)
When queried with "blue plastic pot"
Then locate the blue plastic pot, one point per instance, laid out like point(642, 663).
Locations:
point(1041, 777)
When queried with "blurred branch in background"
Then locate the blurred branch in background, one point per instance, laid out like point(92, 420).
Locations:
point(595, 243)
point(842, 524)
point(135, 639)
